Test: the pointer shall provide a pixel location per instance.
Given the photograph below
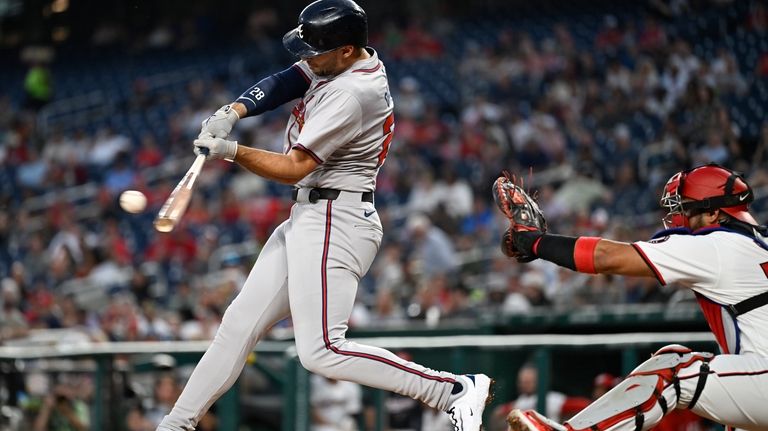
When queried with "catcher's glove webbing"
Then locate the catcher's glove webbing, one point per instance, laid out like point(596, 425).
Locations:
point(527, 222)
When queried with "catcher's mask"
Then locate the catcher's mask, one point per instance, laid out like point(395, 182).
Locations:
point(706, 188)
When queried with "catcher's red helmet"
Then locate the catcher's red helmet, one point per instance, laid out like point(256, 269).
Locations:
point(706, 187)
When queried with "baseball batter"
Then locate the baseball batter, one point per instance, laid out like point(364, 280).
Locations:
point(336, 140)
point(712, 245)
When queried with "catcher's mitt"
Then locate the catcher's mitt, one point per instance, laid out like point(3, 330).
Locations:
point(527, 222)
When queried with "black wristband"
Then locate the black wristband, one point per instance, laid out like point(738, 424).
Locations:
point(557, 249)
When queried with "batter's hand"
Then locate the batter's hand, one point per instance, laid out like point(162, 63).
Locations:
point(220, 123)
point(217, 148)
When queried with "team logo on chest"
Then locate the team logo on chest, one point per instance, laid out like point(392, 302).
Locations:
point(299, 111)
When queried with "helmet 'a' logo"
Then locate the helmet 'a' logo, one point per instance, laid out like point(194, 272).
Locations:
point(300, 31)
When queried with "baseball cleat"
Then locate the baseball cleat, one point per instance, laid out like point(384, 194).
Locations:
point(530, 420)
point(466, 412)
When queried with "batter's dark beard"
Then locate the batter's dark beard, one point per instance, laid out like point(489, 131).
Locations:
point(325, 74)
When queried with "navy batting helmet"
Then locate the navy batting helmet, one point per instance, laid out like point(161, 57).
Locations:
point(325, 25)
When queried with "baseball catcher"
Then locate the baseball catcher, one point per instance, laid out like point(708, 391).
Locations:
point(714, 246)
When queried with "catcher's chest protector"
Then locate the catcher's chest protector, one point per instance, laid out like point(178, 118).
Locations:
point(644, 397)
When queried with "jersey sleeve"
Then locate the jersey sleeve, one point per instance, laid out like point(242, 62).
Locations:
point(686, 259)
point(335, 121)
point(275, 90)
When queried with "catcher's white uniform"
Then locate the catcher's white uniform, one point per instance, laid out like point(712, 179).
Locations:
point(722, 268)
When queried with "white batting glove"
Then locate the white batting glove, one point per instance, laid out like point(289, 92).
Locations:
point(220, 123)
point(217, 148)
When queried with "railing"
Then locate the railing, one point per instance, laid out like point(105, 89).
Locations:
point(75, 111)
point(486, 353)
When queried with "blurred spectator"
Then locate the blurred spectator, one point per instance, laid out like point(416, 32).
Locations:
point(757, 18)
point(410, 102)
point(165, 393)
point(107, 145)
point(432, 252)
point(603, 383)
point(726, 75)
point(618, 76)
point(610, 36)
point(652, 37)
point(149, 154)
point(434, 420)
point(63, 409)
point(402, 413)
point(527, 388)
point(714, 150)
point(335, 404)
point(670, 8)
point(533, 283)
point(425, 196)
point(136, 421)
point(38, 86)
point(12, 321)
point(120, 175)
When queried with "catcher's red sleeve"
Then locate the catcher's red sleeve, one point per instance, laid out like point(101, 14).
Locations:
point(584, 254)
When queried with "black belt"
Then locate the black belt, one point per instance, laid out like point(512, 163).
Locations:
point(330, 194)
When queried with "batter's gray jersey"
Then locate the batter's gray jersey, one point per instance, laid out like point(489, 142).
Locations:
point(345, 123)
point(312, 263)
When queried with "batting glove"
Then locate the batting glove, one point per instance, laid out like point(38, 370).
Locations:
point(217, 148)
point(220, 123)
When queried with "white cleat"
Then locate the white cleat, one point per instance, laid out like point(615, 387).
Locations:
point(467, 411)
point(530, 420)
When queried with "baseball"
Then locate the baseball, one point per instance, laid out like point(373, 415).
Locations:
point(133, 201)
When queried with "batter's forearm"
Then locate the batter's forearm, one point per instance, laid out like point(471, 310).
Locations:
point(283, 168)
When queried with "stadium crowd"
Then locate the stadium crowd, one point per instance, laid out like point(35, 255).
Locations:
point(592, 127)
point(595, 121)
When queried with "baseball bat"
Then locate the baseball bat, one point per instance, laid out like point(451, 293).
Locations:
point(178, 200)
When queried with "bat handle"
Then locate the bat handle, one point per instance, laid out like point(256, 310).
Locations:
point(204, 151)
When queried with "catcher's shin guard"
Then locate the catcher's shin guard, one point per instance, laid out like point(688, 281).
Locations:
point(648, 393)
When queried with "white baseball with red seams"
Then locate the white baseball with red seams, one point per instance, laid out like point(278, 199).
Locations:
point(311, 265)
point(133, 201)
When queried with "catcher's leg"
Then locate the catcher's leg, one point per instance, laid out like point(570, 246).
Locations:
point(637, 403)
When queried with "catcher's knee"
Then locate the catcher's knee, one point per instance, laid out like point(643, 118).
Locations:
point(647, 394)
